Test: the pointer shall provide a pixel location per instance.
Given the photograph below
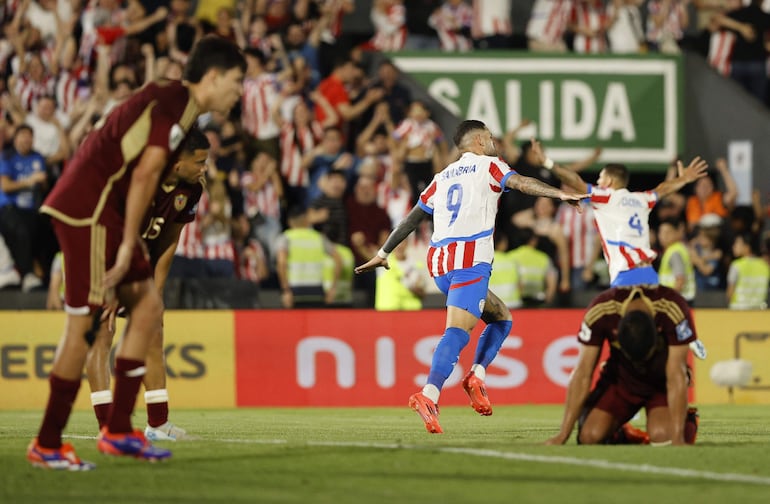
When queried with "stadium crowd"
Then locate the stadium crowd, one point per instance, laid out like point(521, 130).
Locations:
point(327, 151)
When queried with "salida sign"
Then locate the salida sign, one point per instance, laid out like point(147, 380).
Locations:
point(629, 106)
point(317, 358)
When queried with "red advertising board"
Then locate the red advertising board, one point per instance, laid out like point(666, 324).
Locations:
point(369, 358)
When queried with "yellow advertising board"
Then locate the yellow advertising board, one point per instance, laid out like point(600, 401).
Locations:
point(729, 335)
point(200, 359)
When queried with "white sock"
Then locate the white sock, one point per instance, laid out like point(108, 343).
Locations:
point(431, 392)
point(479, 371)
point(156, 396)
point(101, 397)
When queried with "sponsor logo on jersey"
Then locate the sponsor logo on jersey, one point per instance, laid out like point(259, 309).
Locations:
point(175, 137)
point(585, 332)
point(683, 330)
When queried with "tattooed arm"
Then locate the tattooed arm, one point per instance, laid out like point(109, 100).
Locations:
point(535, 187)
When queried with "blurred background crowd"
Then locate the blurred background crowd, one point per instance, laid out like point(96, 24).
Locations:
point(328, 149)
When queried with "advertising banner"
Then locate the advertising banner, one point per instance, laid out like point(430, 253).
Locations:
point(630, 106)
point(199, 359)
point(730, 334)
point(367, 358)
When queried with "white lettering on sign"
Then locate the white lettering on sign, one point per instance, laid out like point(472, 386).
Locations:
point(516, 372)
point(578, 110)
point(445, 91)
point(560, 358)
point(385, 362)
point(344, 359)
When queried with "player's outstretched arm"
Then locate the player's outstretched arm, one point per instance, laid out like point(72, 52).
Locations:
point(535, 187)
point(567, 176)
point(577, 392)
point(404, 228)
point(676, 390)
point(695, 170)
point(167, 242)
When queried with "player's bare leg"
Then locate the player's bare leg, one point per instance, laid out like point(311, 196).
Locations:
point(498, 319)
point(156, 395)
point(144, 307)
point(47, 449)
point(597, 427)
point(98, 372)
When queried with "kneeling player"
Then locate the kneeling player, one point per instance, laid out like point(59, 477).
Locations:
point(174, 205)
point(648, 329)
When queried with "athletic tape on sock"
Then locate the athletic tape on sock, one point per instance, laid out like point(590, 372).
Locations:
point(101, 397)
point(156, 396)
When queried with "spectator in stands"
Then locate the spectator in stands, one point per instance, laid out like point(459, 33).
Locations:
point(583, 243)
point(420, 35)
point(537, 274)
point(327, 212)
point(23, 180)
point(666, 22)
point(389, 20)
point(505, 278)
point(588, 23)
point(50, 139)
point(251, 260)
point(302, 49)
point(327, 156)
point(333, 88)
point(9, 277)
point(491, 27)
point(676, 267)
point(301, 253)
point(749, 276)
point(751, 25)
point(368, 227)
point(261, 88)
point(453, 21)
point(624, 27)
point(707, 256)
point(706, 199)
point(262, 193)
point(547, 25)
point(421, 146)
point(397, 96)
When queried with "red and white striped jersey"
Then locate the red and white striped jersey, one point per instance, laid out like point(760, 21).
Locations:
point(491, 17)
point(389, 28)
point(264, 201)
point(622, 217)
point(29, 91)
point(591, 15)
point(397, 202)
point(549, 20)
point(191, 239)
point(295, 143)
point(580, 229)
point(425, 134)
point(672, 24)
point(447, 21)
point(248, 259)
point(66, 91)
point(259, 95)
point(720, 54)
point(463, 199)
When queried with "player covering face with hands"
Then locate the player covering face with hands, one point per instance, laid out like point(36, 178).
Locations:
point(462, 200)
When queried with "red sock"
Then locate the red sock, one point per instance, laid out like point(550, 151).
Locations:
point(60, 399)
point(102, 413)
point(157, 414)
point(128, 379)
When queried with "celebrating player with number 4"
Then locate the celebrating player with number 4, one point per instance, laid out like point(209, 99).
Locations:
point(463, 201)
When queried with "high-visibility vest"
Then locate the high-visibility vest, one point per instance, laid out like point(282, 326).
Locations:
point(504, 281)
point(391, 293)
point(533, 267)
point(345, 281)
point(750, 291)
point(306, 257)
point(666, 274)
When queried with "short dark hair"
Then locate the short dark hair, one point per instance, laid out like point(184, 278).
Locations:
point(637, 335)
point(23, 127)
point(674, 222)
point(751, 240)
point(196, 140)
point(466, 127)
point(618, 171)
point(213, 52)
point(256, 54)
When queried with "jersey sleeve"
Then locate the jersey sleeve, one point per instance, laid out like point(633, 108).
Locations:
point(499, 173)
point(599, 196)
point(676, 323)
point(187, 214)
point(596, 325)
point(165, 132)
point(650, 197)
point(426, 200)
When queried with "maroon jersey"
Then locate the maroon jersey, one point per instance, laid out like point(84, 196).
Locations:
point(171, 204)
point(94, 187)
point(675, 327)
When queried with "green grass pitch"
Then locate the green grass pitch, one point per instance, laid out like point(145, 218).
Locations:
point(373, 455)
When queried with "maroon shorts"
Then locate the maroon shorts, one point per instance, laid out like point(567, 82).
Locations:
point(89, 251)
point(622, 404)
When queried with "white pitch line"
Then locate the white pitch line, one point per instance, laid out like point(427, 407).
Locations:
point(524, 457)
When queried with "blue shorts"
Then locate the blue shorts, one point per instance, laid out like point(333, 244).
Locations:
point(466, 288)
point(646, 275)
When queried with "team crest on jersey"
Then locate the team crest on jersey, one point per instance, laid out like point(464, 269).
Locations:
point(175, 137)
point(179, 202)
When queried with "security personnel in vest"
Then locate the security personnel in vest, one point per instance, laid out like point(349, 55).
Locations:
point(301, 251)
point(537, 274)
point(401, 287)
point(676, 268)
point(505, 274)
point(748, 276)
